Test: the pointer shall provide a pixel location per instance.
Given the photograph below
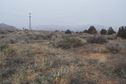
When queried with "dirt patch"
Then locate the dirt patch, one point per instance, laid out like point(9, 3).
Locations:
point(98, 56)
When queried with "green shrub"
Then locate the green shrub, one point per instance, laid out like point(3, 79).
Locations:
point(67, 43)
point(85, 31)
point(97, 39)
point(120, 71)
point(68, 32)
point(122, 32)
point(3, 47)
point(103, 31)
point(115, 71)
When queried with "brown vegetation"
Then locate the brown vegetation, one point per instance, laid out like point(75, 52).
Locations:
point(40, 57)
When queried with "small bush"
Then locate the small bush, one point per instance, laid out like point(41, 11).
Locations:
point(116, 69)
point(120, 71)
point(85, 31)
point(111, 37)
point(97, 39)
point(113, 47)
point(9, 51)
point(103, 31)
point(3, 46)
point(67, 43)
point(68, 32)
point(20, 77)
point(8, 72)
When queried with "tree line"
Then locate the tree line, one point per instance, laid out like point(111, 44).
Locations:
point(92, 30)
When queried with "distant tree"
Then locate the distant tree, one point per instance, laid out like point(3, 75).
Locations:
point(85, 31)
point(122, 32)
point(77, 32)
point(68, 32)
point(111, 31)
point(23, 28)
point(57, 31)
point(92, 30)
point(103, 31)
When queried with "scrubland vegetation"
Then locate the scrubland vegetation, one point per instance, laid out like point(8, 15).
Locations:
point(41, 57)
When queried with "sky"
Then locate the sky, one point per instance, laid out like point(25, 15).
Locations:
point(63, 12)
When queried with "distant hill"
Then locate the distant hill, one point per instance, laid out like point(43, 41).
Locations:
point(7, 27)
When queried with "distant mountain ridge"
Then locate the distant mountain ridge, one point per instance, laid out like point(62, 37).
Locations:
point(65, 27)
point(7, 27)
point(57, 27)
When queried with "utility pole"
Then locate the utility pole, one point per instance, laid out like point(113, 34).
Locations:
point(30, 21)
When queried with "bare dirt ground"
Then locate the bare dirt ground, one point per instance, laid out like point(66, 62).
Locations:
point(41, 57)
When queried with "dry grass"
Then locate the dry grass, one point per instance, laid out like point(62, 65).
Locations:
point(70, 42)
point(97, 39)
point(35, 60)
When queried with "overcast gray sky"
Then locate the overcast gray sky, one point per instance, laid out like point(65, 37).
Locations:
point(63, 12)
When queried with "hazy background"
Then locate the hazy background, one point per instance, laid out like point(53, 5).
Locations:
point(63, 12)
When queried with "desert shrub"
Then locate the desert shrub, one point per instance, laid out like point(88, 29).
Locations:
point(68, 32)
point(18, 57)
point(111, 31)
point(114, 47)
point(56, 31)
point(115, 70)
point(67, 43)
point(78, 78)
point(48, 78)
point(97, 39)
point(52, 77)
point(80, 81)
point(120, 71)
point(12, 41)
point(20, 77)
point(9, 51)
point(1, 37)
point(122, 32)
point(8, 72)
point(85, 31)
point(3, 46)
point(111, 37)
point(103, 31)
point(92, 30)
point(3, 32)
point(2, 58)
